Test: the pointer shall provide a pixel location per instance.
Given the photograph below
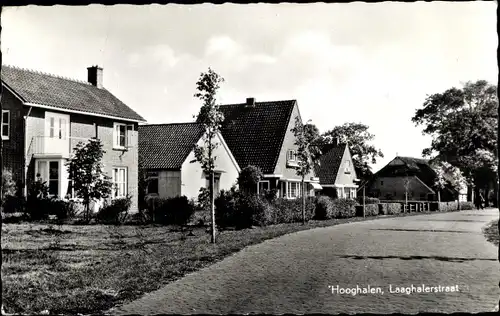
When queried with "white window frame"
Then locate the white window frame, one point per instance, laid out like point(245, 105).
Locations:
point(116, 136)
point(6, 137)
point(45, 174)
point(347, 168)
point(298, 189)
point(293, 155)
point(114, 194)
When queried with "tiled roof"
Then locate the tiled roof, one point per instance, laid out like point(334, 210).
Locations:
point(66, 94)
point(412, 167)
point(166, 146)
point(255, 134)
point(330, 164)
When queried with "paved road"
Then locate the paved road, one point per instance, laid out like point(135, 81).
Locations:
point(292, 274)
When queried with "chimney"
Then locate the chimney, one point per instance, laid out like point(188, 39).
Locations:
point(250, 102)
point(94, 76)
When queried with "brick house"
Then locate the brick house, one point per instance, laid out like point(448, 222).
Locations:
point(44, 116)
point(165, 159)
point(336, 172)
point(411, 177)
point(259, 134)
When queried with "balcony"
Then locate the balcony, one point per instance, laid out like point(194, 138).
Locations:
point(53, 147)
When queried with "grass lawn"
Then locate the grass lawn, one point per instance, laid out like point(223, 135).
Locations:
point(491, 232)
point(88, 269)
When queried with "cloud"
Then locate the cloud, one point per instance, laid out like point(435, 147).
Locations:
point(159, 55)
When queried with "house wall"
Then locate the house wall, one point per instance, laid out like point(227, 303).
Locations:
point(169, 183)
point(13, 148)
point(393, 188)
point(288, 143)
point(343, 178)
point(84, 127)
point(193, 178)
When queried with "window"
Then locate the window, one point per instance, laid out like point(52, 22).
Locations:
point(216, 183)
point(284, 189)
point(263, 186)
point(5, 124)
point(122, 135)
point(347, 168)
point(48, 172)
point(152, 182)
point(347, 193)
point(293, 190)
point(381, 182)
point(119, 182)
point(292, 155)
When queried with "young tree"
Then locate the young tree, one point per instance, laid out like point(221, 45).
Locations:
point(211, 118)
point(307, 155)
point(358, 137)
point(85, 171)
point(406, 184)
point(463, 126)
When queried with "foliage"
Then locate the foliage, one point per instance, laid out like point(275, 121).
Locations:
point(39, 205)
point(174, 211)
point(290, 211)
point(9, 187)
point(271, 195)
point(226, 208)
point(368, 200)
point(252, 210)
point(308, 154)
point(86, 171)
point(463, 126)
point(467, 205)
point(370, 210)
point(328, 208)
point(203, 201)
point(115, 212)
point(390, 208)
point(249, 178)
point(358, 137)
point(324, 208)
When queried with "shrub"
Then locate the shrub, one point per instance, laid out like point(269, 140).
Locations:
point(393, 208)
point(271, 195)
point(290, 211)
point(370, 210)
point(447, 206)
point(467, 206)
point(344, 208)
point(324, 208)
point(175, 211)
point(9, 187)
point(153, 208)
point(115, 212)
point(226, 207)
point(249, 178)
point(252, 210)
point(203, 201)
point(368, 200)
point(13, 204)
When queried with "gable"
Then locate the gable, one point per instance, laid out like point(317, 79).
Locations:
point(255, 134)
point(343, 176)
point(330, 163)
point(50, 91)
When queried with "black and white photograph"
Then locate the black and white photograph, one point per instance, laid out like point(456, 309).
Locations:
point(259, 158)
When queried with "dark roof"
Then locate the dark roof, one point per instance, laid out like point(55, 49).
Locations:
point(412, 167)
point(166, 146)
point(330, 164)
point(66, 94)
point(255, 134)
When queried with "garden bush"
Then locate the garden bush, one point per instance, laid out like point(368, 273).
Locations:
point(13, 204)
point(324, 208)
point(226, 211)
point(115, 212)
point(447, 206)
point(394, 208)
point(290, 211)
point(175, 211)
point(467, 206)
point(370, 210)
point(368, 200)
point(252, 209)
point(344, 208)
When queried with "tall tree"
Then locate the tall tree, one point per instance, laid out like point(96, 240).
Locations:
point(463, 126)
point(358, 137)
point(85, 170)
point(211, 118)
point(307, 154)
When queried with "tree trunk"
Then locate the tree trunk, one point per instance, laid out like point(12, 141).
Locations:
point(487, 195)
point(439, 195)
point(303, 203)
point(212, 205)
point(495, 195)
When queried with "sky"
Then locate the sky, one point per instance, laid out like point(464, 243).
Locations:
point(346, 62)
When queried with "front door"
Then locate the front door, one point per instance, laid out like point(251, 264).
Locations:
point(56, 133)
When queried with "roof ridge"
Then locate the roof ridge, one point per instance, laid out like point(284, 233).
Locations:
point(257, 102)
point(165, 124)
point(47, 74)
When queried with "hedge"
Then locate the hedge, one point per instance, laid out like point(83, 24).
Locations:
point(290, 211)
point(370, 210)
point(368, 200)
point(389, 208)
point(467, 206)
point(328, 208)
